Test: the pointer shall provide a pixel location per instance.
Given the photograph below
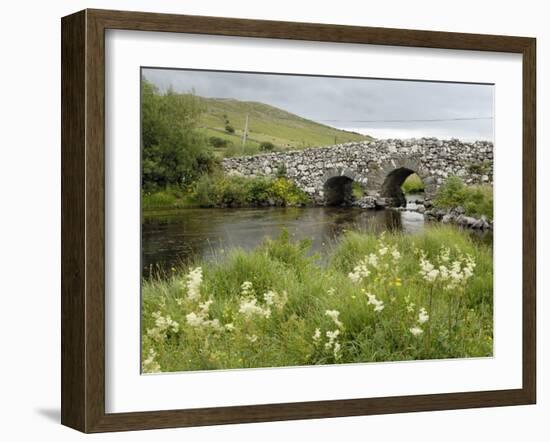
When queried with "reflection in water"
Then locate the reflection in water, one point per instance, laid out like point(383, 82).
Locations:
point(186, 235)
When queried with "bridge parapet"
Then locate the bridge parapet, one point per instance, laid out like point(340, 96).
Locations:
point(379, 166)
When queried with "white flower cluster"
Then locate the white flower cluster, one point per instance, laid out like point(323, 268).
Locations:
point(249, 307)
point(150, 365)
point(375, 261)
point(332, 343)
point(333, 314)
point(163, 325)
point(453, 274)
point(377, 303)
point(427, 270)
point(193, 282)
point(360, 271)
point(423, 317)
point(277, 300)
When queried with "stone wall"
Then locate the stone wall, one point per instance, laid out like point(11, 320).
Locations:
point(379, 166)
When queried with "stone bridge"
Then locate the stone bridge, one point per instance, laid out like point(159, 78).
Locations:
point(380, 167)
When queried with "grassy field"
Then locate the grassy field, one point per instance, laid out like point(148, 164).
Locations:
point(413, 184)
point(267, 124)
point(379, 298)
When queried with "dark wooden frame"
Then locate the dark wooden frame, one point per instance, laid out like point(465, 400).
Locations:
point(83, 216)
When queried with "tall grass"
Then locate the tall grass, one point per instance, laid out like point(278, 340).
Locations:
point(375, 300)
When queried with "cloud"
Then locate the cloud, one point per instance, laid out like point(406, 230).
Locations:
point(365, 105)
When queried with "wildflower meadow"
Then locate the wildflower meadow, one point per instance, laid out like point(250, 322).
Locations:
point(375, 298)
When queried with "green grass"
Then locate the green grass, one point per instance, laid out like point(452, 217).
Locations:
point(242, 327)
point(169, 198)
point(413, 184)
point(267, 123)
point(477, 200)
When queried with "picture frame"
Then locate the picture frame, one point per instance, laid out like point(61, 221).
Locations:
point(83, 179)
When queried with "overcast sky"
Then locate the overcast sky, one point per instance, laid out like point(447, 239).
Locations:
point(362, 105)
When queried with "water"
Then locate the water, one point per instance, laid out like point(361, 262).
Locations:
point(185, 235)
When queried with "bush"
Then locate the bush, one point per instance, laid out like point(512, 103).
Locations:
point(217, 142)
point(220, 190)
point(229, 129)
point(267, 146)
point(476, 200)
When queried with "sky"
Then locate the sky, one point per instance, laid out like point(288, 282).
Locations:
point(380, 108)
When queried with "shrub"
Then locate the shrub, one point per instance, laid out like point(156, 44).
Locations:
point(229, 129)
point(267, 146)
point(220, 190)
point(477, 200)
point(217, 142)
point(281, 170)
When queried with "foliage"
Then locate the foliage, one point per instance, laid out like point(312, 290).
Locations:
point(220, 190)
point(413, 184)
point(380, 298)
point(229, 129)
point(480, 167)
point(267, 146)
point(173, 147)
point(357, 190)
point(218, 142)
point(171, 197)
point(281, 170)
point(476, 200)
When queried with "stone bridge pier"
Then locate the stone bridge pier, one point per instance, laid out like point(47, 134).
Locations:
point(378, 167)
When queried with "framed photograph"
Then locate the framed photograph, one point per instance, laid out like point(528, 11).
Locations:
point(269, 220)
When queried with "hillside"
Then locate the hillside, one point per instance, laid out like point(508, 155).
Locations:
point(266, 124)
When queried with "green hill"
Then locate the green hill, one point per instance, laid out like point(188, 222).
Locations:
point(266, 124)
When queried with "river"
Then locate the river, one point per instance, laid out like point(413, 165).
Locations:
point(172, 238)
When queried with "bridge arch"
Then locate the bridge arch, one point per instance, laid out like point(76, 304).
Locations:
point(338, 186)
point(385, 179)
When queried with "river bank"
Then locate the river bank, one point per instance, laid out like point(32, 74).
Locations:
point(373, 300)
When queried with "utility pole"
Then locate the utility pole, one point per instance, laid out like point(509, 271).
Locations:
point(245, 131)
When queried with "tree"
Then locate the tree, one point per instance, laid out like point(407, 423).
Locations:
point(173, 147)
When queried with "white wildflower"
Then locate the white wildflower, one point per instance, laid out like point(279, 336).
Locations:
point(205, 306)
point(193, 283)
point(416, 331)
point(333, 314)
point(373, 260)
point(252, 338)
point(377, 303)
point(194, 320)
point(331, 291)
point(444, 254)
point(337, 348)
point(383, 250)
point(249, 307)
point(273, 298)
point(410, 307)
point(149, 365)
point(423, 316)
point(359, 272)
point(229, 326)
point(317, 335)
point(395, 254)
point(163, 325)
point(332, 336)
point(247, 288)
